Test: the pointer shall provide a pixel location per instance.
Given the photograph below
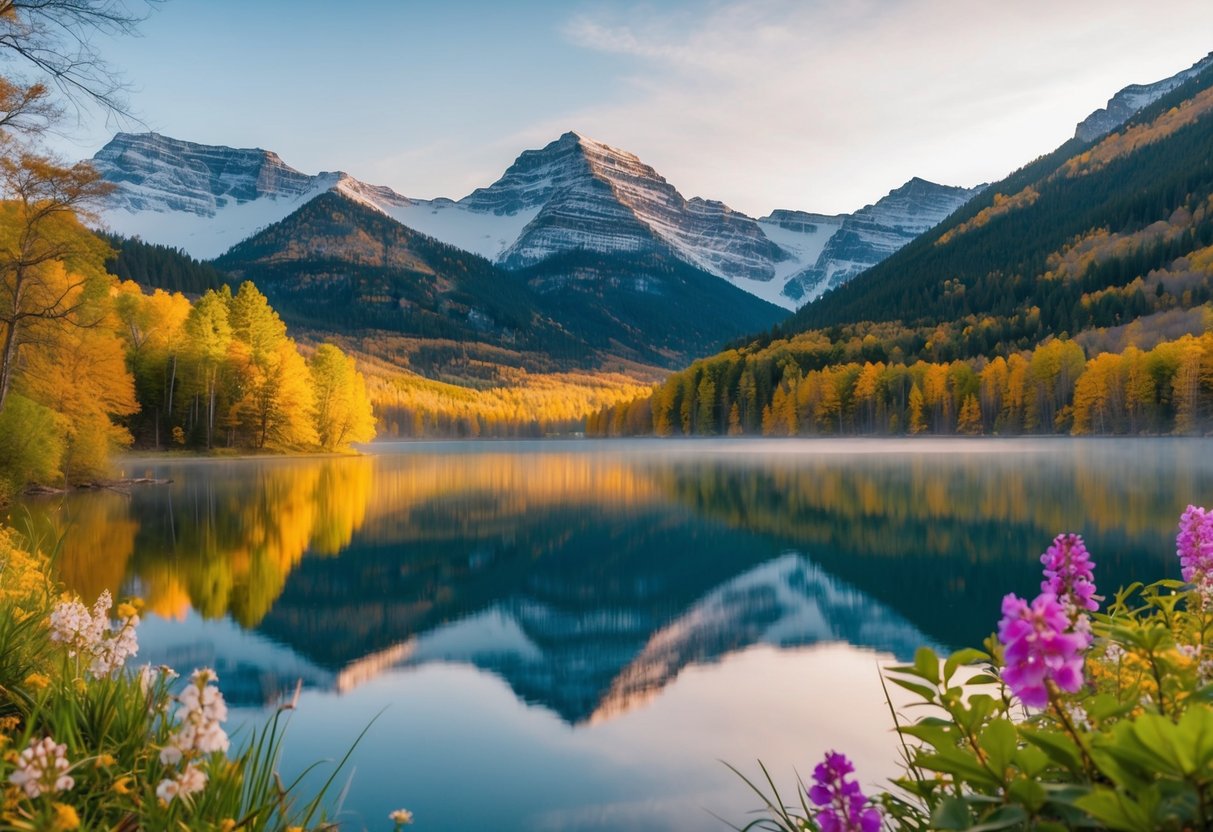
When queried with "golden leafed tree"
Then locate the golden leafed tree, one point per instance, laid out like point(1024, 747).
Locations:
point(343, 408)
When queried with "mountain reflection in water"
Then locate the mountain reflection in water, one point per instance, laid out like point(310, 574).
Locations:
point(589, 575)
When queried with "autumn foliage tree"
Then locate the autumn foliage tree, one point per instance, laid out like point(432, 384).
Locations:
point(342, 407)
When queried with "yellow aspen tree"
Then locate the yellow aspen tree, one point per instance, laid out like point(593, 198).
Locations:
point(916, 422)
point(1186, 386)
point(969, 422)
point(342, 408)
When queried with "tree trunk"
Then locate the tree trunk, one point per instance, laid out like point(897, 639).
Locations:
point(8, 360)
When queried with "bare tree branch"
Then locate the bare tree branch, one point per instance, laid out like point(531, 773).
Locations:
point(56, 39)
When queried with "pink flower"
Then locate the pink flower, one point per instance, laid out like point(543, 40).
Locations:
point(1069, 573)
point(843, 805)
point(1040, 646)
point(1194, 545)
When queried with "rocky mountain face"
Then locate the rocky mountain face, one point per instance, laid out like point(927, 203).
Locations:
point(573, 195)
point(875, 231)
point(1126, 103)
point(157, 173)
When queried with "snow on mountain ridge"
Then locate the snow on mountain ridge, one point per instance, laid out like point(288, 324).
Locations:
point(1133, 98)
point(875, 231)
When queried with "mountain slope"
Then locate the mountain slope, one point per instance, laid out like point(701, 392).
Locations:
point(336, 264)
point(1000, 255)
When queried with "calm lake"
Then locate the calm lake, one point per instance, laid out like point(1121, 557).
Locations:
point(573, 635)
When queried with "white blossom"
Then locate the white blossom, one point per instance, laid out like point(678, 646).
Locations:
point(42, 768)
point(91, 634)
point(1078, 717)
point(148, 676)
point(199, 733)
point(1204, 671)
point(167, 790)
point(401, 817)
point(192, 780)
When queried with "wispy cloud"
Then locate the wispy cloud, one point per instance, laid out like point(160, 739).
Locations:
point(787, 103)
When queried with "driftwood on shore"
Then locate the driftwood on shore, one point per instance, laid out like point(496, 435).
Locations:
point(122, 485)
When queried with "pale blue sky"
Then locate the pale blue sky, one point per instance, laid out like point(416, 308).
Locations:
point(764, 104)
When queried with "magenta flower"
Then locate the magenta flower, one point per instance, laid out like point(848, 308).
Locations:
point(1041, 646)
point(1194, 545)
point(843, 805)
point(1069, 573)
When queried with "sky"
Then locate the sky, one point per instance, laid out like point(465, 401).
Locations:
point(764, 104)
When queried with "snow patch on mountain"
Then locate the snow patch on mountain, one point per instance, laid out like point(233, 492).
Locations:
point(1132, 99)
point(874, 232)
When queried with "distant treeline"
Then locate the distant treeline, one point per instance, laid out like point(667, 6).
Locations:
point(782, 390)
point(518, 404)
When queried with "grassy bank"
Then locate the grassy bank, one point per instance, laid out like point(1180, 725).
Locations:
point(88, 741)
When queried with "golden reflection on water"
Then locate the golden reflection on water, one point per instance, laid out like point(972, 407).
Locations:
point(226, 535)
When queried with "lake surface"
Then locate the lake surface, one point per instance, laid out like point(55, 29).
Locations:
point(573, 635)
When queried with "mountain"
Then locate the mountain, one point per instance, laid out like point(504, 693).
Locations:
point(1131, 100)
point(875, 231)
point(338, 264)
point(573, 195)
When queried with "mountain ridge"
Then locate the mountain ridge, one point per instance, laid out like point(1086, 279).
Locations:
point(575, 193)
point(1130, 100)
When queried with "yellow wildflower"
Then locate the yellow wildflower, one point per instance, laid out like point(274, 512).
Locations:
point(38, 681)
point(227, 826)
point(65, 818)
point(127, 610)
point(294, 829)
point(80, 685)
point(105, 760)
point(122, 785)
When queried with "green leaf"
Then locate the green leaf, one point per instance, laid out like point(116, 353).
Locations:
point(968, 655)
point(926, 665)
point(951, 813)
point(1027, 792)
point(1004, 818)
point(1105, 706)
point(983, 679)
point(1117, 811)
point(935, 735)
point(924, 692)
point(1031, 760)
point(999, 740)
point(960, 764)
point(1060, 748)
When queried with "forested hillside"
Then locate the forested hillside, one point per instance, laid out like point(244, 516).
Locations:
point(1073, 296)
point(160, 267)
